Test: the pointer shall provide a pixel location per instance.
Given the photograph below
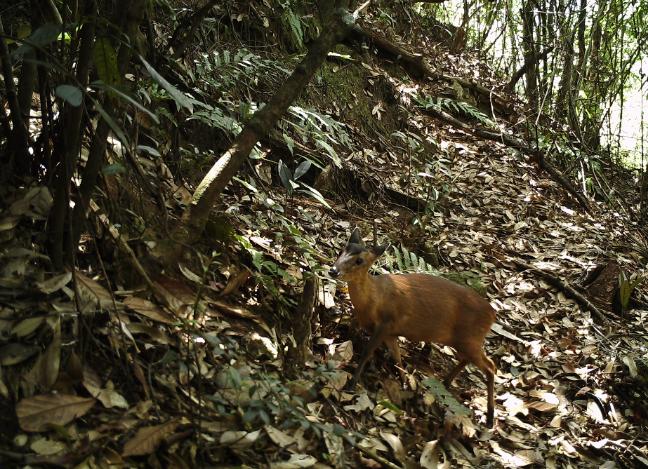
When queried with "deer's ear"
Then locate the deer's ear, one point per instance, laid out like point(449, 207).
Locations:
point(355, 237)
point(378, 250)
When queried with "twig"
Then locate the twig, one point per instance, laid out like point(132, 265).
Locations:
point(565, 287)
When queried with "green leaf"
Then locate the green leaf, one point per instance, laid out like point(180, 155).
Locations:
point(302, 169)
point(331, 152)
point(285, 175)
point(444, 397)
point(70, 93)
point(105, 60)
point(41, 37)
point(290, 143)
point(316, 195)
point(121, 94)
point(150, 150)
point(180, 98)
point(246, 184)
point(112, 169)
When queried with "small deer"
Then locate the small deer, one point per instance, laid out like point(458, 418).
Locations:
point(419, 307)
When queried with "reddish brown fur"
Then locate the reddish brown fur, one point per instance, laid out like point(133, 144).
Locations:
point(420, 307)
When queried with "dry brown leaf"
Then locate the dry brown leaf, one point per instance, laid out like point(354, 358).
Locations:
point(431, 454)
point(396, 445)
point(45, 371)
point(27, 326)
point(296, 461)
point(55, 283)
point(149, 310)
point(91, 294)
point(238, 311)
point(278, 437)
point(542, 406)
point(47, 447)
point(36, 413)
point(14, 353)
point(147, 439)
point(239, 439)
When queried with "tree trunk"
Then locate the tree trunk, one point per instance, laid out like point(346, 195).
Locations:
point(18, 155)
point(260, 124)
point(529, 47)
point(131, 21)
point(69, 146)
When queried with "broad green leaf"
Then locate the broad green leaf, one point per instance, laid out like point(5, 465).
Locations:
point(126, 97)
point(70, 93)
point(176, 94)
point(150, 150)
point(246, 184)
point(316, 195)
point(113, 169)
point(331, 152)
point(41, 37)
point(105, 60)
point(302, 169)
point(285, 175)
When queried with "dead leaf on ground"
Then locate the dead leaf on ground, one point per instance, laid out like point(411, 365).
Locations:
point(149, 309)
point(92, 294)
point(55, 283)
point(147, 439)
point(36, 413)
point(12, 354)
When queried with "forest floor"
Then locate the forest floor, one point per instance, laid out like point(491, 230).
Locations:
point(204, 384)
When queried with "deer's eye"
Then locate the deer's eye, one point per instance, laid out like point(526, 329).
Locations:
point(359, 261)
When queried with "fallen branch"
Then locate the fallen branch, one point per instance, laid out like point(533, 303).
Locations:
point(416, 67)
point(563, 286)
point(513, 142)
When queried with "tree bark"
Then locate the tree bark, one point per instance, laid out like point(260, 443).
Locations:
point(528, 63)
point(302, 328)
point(527, 13)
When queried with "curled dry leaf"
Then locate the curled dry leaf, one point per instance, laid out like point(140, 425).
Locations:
point(91, 294)
point(147, 439)
point(36, 413)
point(149, 310)
point(47, 447)
point(362, 403)
point(430, 456)
point(396, 445)
point(278, 437)
point(296, 461)
point(12, 354)
point(55, 283)
point(239, 439)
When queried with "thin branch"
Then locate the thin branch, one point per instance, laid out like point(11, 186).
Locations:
point(565, 287)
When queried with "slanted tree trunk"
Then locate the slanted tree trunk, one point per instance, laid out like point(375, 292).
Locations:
point(209, 189)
